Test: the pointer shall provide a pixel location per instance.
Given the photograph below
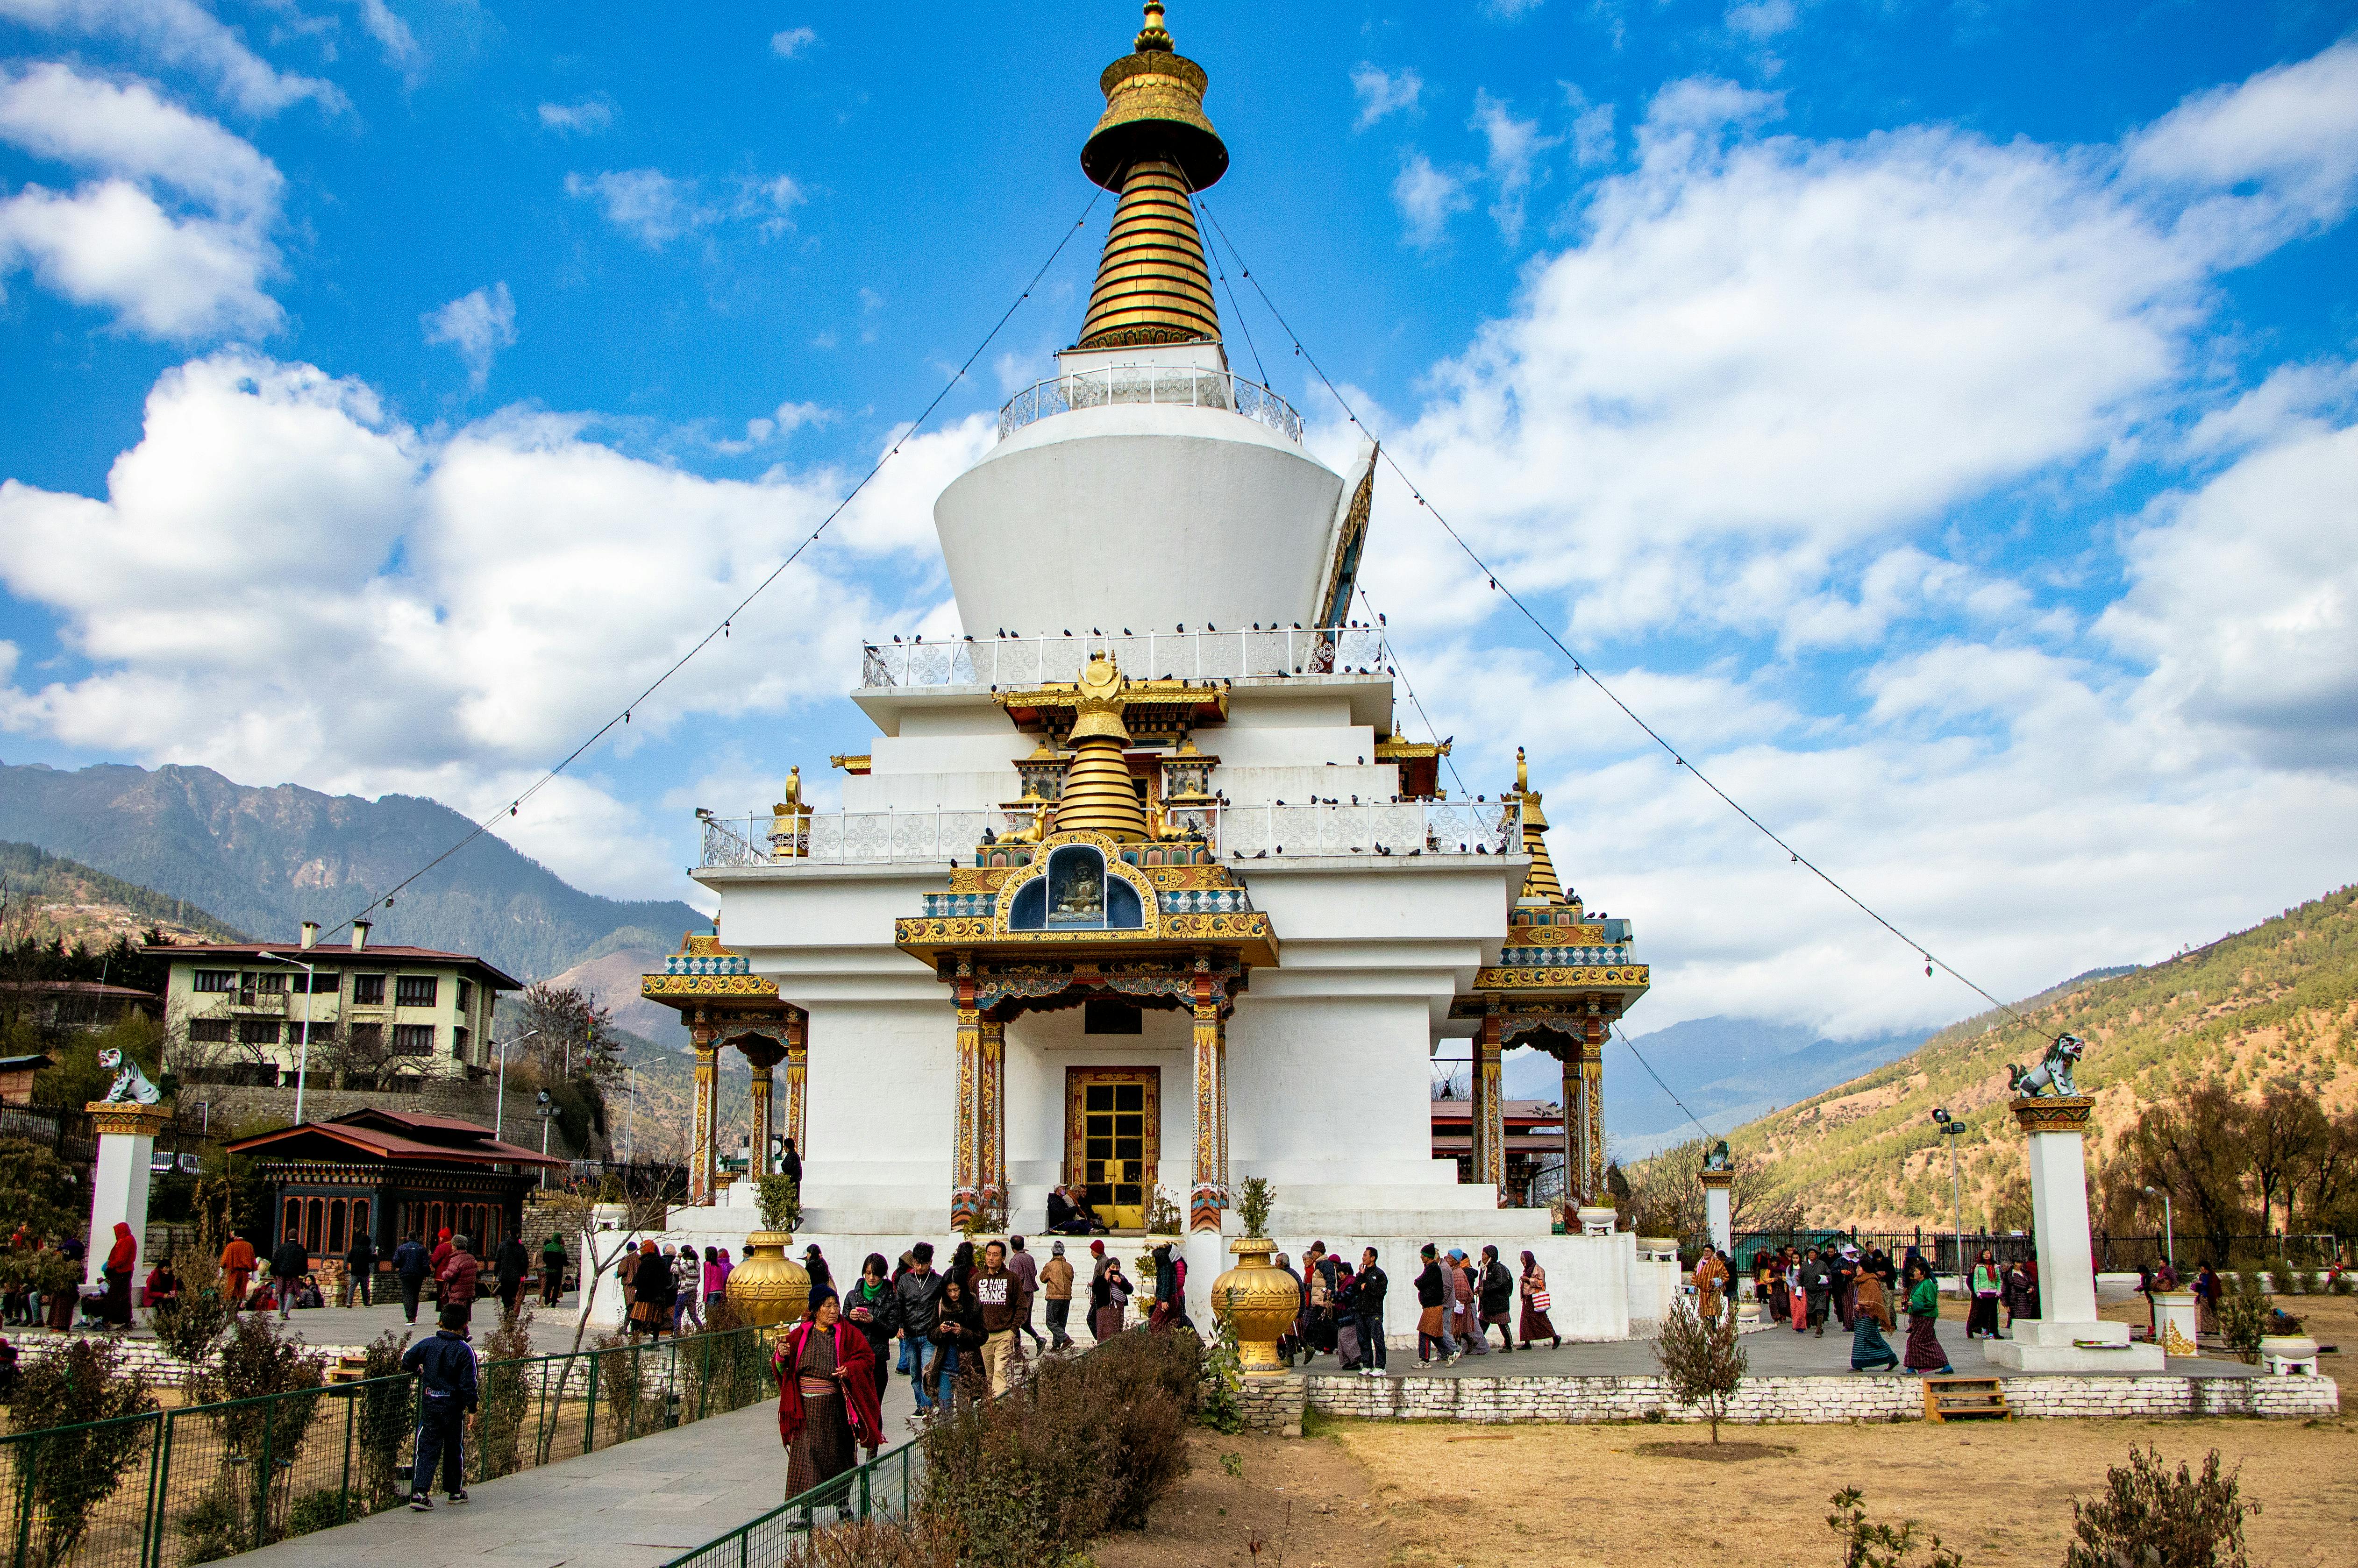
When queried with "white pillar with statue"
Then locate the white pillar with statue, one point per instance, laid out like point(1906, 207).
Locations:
point(2067, 1335)
point(1717, 1176)
point(127, 1121)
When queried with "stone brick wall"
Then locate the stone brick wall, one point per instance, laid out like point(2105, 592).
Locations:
point(163, 1370)
point(1806, 1400)
point(240, 1105)
point(1275, 1403)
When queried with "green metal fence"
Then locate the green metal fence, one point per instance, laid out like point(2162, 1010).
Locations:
point(188, 1486)
point(887, 1486)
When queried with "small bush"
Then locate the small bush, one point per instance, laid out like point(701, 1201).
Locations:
point(382, 1425)
point(1222, 1407)
point(1254, 1201)
point(190, 1326)
point(2291, 1281)
point(75, 1472)
point(2244, 1316)
point(322, 1509)
point(780, 1200)
point(2148, 1518)
point(212, 1526)
point(2342, 1284)
point(505, 1397)
point(1866, 1544)
point(921, 1542)
point(1702, 1363)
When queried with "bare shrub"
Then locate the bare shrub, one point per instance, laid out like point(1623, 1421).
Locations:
point(2148, 1518)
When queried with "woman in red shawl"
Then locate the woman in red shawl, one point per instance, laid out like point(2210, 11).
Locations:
point(121, 1258)
point(827, 1398)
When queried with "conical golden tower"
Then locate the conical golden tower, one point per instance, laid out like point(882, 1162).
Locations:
point(1540, 885)
point(1100, 796)
point(1154, 145)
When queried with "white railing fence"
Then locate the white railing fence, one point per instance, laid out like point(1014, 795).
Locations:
point(1173, 384)
point(1174, 656)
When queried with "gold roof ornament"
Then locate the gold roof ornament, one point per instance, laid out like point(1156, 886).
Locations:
point(1100, 796)
point(1154, 146)
point(1540, 885)
point(790, 820)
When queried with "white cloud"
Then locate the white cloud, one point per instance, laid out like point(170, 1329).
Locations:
point(184, 36)
point(479, 325)
point(111, 242)
point(585, 118)
point(1514, 150)
point(1382, 92)
point(792, 42)
point(1592, 128)
point(1761, 20)
point(1427, 197)
point(232, 597)
point(656, 209)
point(395, 41)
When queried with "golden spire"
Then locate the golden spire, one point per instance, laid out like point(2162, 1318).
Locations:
point(1154, 145)
point(1100, 796)
point(1540, 885)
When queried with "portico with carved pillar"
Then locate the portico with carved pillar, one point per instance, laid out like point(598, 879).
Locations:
point(724, 1004)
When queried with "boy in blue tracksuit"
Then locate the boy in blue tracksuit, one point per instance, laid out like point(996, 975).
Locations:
point(445, 1365)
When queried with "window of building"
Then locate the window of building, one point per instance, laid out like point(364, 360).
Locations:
point(257, 1031)
point(271, 982)
point(210, 1031)
point(326, 982)
point(367, 1039)
point(466, 995)
point(368, 990)
point(214, 981)
point(413, 1040)
point(415, 990)
point(459, 1044)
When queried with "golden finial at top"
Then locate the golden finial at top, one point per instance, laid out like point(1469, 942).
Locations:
point(1522, 773)
point(1153, 36)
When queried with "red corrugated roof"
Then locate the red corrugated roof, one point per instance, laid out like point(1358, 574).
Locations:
point(394, 1149)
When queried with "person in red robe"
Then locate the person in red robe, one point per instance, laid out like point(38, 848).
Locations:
point(827, 1399)
point(121, 1258)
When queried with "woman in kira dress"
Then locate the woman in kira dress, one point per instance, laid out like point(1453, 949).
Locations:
point(828, 1408)
point(1533, 1289)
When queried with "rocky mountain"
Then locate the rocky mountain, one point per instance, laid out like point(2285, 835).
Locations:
point(2276, 1004)
point(613, 978)
point(50, 896)
point(263, 859)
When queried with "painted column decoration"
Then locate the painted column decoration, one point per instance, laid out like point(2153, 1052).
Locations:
point(1489, 1126)
point(118, 1187)
point(701, 1132)
point(965, 1194)
point(759, 1165)
point(1575, 1128)
point(797, 1073)
point(1592, 1075)
point(1210, 1193)
point(990, 1160)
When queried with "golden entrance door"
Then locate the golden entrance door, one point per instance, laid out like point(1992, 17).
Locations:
point(1112, 1128)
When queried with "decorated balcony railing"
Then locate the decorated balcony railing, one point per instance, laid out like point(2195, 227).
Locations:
point(1173, 385)
point(1233, 832)
point(1005, 662)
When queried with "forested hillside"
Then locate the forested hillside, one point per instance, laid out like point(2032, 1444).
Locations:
point(2272, 1008)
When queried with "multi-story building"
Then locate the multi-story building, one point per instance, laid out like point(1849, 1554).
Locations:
point(238, 1011)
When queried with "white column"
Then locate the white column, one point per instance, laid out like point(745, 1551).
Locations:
point(2068, 1336)
point(118, 1188)
point(1715, 1209)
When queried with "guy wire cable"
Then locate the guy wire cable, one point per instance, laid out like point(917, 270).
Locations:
point(1414, 701)
point(1932, 959)
point(1622, 1036)
point(722, 628)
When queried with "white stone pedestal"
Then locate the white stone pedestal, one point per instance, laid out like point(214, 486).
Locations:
point(2070, 1337)
point(1596, 1221)
point(118, 1188)
point(1716, 1184)
point(2176, 1322)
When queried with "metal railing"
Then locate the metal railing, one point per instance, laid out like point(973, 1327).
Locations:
point(1006, 661)
point(1173, 384)
point(175, 1487)
point(885, 1488)
point(1411, 828)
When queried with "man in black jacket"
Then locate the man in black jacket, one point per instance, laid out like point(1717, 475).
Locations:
point(287, 1267)
point(411, 1264)
point(1367, 1306)
point(1495, 1289)
point(360, 1265)
point(445, 1365)
point(920, 1294)
point(509, 1262)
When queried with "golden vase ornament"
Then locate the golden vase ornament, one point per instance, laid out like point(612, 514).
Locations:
point(1261, 1299)
point(768, 1287)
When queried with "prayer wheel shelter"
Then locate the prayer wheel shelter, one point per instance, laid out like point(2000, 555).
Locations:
point(385, 1174)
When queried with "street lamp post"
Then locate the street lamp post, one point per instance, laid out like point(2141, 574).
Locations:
point(302, 1051)
point(499, 1105)
point(1950, 1129)
point(543, 1111)
point(2168, 1230)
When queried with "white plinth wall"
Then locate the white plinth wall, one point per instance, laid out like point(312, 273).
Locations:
point(2068, 1337)
point(118, 1188)
point(1715, 1209)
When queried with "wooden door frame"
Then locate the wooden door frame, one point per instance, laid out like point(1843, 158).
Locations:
point(1077, 1083)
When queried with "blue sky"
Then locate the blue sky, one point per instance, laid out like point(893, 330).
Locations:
point(1937, 417)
